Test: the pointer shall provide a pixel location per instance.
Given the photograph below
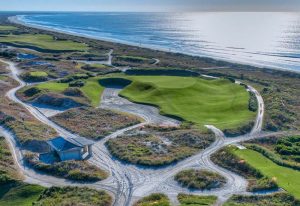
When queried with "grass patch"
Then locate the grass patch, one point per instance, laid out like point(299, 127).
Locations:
point(216, 102)
point(156, 146)
point(72, 170)
point(200, 179)
point(279, 199)
point(20, 194)
point(155, 199)
point(94, 123)
point(42, 41)
point(7, 28)
point(53, 86)
point(93, 90)
point(73, 196)
point(258, 181)
point(196, 200)
point(38, 74)
point(286, 178)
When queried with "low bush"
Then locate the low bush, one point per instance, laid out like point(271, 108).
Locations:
point(200, 179)
point(196, 200)
point(67, 196)
point(72, 170)
point(77, 83)
point(278, 199)
point(94, 123)
point(155, 199)
point(155, 147)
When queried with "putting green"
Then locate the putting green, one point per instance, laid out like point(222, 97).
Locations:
point(217, 102)
point(286, 178)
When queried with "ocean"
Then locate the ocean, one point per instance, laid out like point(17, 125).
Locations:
point(261, 39)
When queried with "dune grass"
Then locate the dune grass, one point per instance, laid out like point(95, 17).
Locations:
point(217, 102)
point(155, 199)
point(286, 178)
point(43, 42)
point(196, 200)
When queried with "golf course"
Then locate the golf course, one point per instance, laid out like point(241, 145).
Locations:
point(218, 102)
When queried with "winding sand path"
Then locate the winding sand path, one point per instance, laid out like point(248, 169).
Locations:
point(128, 182)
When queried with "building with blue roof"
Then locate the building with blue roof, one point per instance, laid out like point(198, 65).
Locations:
point(71, 148)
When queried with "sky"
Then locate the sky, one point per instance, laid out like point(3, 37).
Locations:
point(149, 5)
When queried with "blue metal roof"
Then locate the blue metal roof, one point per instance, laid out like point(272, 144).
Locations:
point(63, 144)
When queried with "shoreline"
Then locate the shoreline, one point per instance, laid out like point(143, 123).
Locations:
point(16, 20)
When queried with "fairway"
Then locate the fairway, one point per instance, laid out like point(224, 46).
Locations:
point(43, 42)
point(216, 102)
point(8, 28)
point(286, 178)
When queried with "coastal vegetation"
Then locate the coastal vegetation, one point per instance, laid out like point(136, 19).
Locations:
point(72, 170)
point(196, 200)
point(155, 199)
point(73, 196)
point(29, 132)
point(7, 28)
point(200, 179)
point(288, 179)
point(157, 146)
point(35, 76)
point(94, 123)
point(278, 199)
point(258, 181)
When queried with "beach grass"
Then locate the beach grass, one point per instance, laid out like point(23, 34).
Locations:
point(42, 41)
point(286, 178)
point(196, 200)
point(215, 102)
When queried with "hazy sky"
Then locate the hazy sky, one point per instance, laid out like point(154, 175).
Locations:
point(149, 5)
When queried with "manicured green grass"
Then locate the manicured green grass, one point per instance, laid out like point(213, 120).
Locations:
point(38, 74)
point(98, 66)
point(93, 90)
point(19, 194)
point(7, 28)
point(196, 200)
point(217, 102)
point(286, 178)
point(43, 42)
point(53, 86)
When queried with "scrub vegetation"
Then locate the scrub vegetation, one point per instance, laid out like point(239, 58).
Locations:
point(154, 146)
point(200, 179)
point(72, 170)
point(94, 123)
point(279, 199)
point(196, 200)
point(258, 180)
point(155, 199)
point(73, 196)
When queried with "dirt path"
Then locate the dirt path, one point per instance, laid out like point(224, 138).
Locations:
point(130, 182)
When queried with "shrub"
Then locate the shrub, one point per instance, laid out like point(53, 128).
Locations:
point(200, 179)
